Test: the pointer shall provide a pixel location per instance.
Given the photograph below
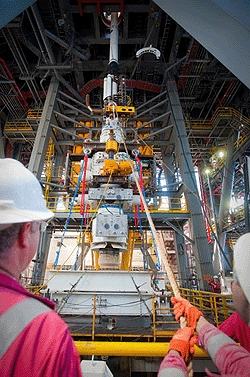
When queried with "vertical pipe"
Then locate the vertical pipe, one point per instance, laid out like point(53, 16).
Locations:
point(113, 49)
point(109, 86)
point(93, 319)
point(104, 88)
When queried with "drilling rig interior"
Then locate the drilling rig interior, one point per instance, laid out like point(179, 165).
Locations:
point(137, 126)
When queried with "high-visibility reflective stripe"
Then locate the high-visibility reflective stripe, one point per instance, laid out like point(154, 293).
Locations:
point(216, 342)
point(173, 372)
point(15, 319)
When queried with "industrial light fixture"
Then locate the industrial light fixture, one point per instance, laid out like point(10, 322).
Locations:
point(221, 153)
point(207, 170)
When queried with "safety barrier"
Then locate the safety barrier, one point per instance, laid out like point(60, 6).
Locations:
point(216, 307)
point(62, 202)
point(17, 126)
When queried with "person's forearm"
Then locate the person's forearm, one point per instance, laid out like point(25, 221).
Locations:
point(200, 323)
point(227, 355)
point(174, 353)
point(173, 364)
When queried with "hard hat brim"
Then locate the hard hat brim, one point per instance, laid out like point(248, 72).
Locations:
point(242, 263)
point(14, 215)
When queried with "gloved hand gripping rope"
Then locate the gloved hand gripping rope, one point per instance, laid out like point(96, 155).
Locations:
point(184, 340)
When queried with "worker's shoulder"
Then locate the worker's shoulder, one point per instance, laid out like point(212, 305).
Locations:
point(49, 328)
point(9, 299)
point(48, 314)
point(30, 307)
point(43, 320)
point(37, 305)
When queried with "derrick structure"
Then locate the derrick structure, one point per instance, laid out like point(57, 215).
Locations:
point(104, 165)
point(103, 173)
point(89, 149)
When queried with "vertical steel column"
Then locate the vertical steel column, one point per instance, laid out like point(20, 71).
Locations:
point(41, 257)
point(201, 249)
point(226, 192)
point(36, 164)
point(170, 179)
point(38, 154)
point(181, 259)
point(216, 259)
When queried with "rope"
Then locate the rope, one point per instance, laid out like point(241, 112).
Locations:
point(136, 216)
point(158, 241)
point(69, 216)
point(141, 179)
point(160, 247)
point(83, 184)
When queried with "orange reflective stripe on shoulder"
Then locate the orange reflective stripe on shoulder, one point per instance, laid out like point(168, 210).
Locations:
point(15, 319)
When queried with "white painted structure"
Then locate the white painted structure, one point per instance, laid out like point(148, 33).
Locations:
point(95, 368)
point(123, 293)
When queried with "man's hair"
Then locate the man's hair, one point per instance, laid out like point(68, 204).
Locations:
point(8, 236)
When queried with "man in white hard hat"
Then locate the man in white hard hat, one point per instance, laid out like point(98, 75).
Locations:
point(34, 340)
point(230, 359)
point(215, 285)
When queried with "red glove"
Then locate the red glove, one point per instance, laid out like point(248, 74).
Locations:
point(183, 308)
point(183, 342)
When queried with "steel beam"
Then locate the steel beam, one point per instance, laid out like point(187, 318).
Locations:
point(222, 27)
point(9, 9)
point(39, 150)
point(201, 248)
point(226, 194)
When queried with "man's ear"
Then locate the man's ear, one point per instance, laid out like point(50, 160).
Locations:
point(232, 283)
point(24, 235)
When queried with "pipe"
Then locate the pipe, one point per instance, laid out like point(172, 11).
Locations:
point(68, 67)
point(79, 103)
point(95, 83)
point(157, 132)
point(152, 99)
point(93, 111)
point(74, 135)
point(62, 43)
point(77, 110)
point(113, 49)
point(70, 120)
point(151, 108)
point(139, 349)
point(154, 120)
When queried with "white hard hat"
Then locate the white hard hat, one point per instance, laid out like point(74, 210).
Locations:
point(215, 277)
point(242, 263)
point(21, 196)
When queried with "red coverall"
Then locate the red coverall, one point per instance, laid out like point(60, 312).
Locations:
point(237, 329)
point(38, 347)
point(215, 286)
